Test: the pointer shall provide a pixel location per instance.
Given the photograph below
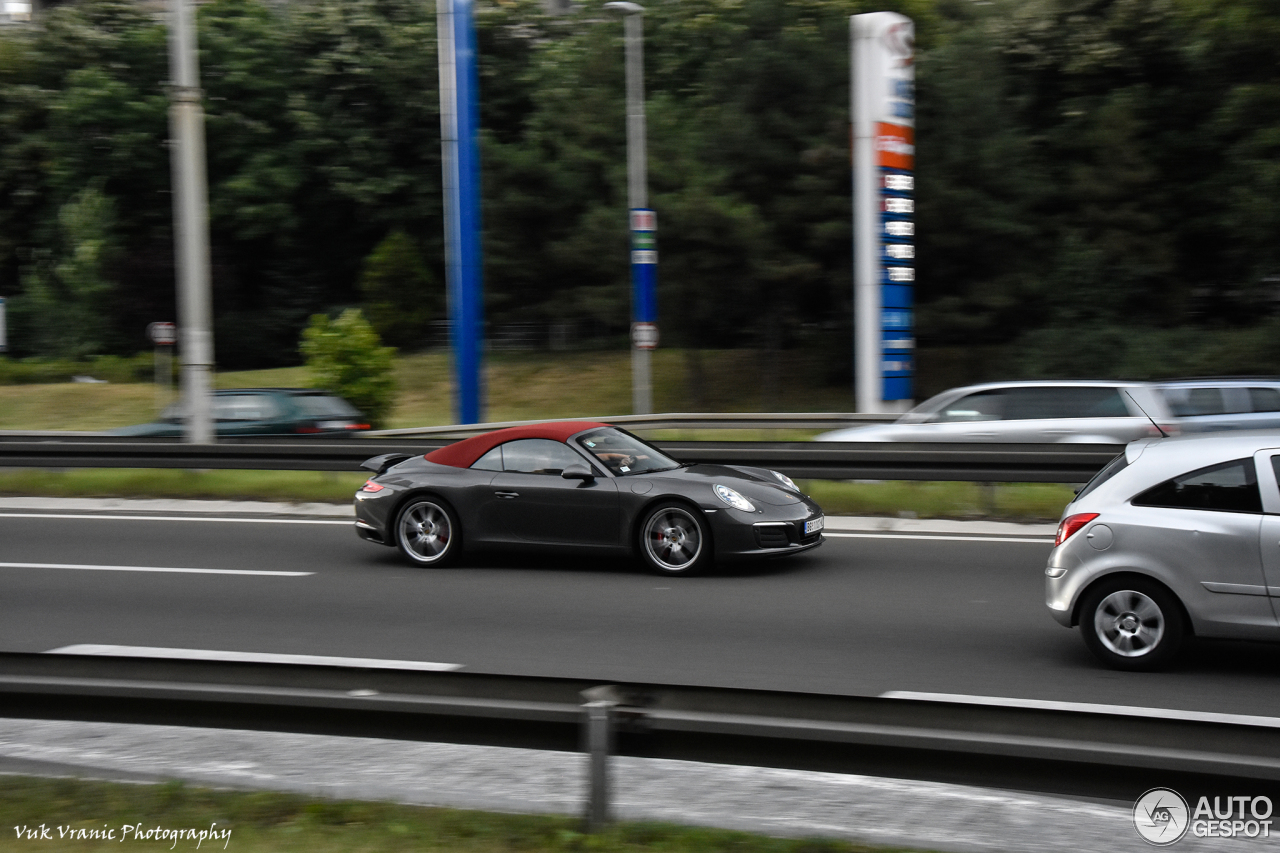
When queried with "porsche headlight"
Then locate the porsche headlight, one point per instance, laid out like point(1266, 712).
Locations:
point(785, 480)
point(733, 499)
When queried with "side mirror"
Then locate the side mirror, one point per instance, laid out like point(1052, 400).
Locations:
point(577, 472)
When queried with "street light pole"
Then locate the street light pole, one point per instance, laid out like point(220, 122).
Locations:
point(644, 255)
point(191, 222)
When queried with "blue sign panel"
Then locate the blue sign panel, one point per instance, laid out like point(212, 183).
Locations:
point(644, 266)
point(897, 282)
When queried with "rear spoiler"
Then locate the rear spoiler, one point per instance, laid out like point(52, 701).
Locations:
point(380, 464)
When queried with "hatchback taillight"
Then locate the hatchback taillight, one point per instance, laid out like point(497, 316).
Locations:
point(1071, 524)
point(371, 486)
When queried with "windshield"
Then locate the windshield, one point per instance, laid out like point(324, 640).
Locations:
point(624, 454)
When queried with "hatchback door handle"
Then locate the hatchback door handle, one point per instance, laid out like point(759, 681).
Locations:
point(507, 495)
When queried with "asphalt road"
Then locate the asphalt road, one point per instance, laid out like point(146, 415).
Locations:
point(857, 616)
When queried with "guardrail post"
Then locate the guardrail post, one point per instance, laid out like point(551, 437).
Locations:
point(598, 737)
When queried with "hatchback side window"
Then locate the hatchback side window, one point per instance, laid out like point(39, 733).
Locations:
point(538, 456)
point(982, 406)
point(1229, 487)
point(1264, 399)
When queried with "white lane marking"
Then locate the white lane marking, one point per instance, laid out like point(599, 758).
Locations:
point(104, 517)
point(179, 571)
point(941, 537)
point(1088, 707)
point(249, 657)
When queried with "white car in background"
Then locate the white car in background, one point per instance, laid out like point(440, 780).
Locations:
point(1043, 412)
point(1212, 405)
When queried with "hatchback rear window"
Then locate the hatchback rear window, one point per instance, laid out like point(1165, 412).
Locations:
point(1228, 487)
point(1115, 466)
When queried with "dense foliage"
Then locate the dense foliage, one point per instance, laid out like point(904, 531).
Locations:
point(346, 356)
point(1099, 180)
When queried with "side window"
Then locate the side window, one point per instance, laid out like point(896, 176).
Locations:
point(1229, 487)
point(491, 461)
point(1264, 399)
point(538, 456)
point(243, 407)
point(982, 406)
point(1191, 402)
point(1065, 402)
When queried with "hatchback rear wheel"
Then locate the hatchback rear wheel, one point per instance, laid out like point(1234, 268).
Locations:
point(1131, 623)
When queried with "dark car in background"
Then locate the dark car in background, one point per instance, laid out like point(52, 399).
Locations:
point(263, 411)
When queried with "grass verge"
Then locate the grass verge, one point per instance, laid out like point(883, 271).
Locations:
point(1011, 501)
point(921, 499)
point(289, 486)
point(264, 821)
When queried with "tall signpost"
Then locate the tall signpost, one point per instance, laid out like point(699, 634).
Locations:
point(644, 223)
point(882, 88)
point(191, 222)
point(459, 123)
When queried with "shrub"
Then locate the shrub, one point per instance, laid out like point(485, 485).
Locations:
point(401, 296)
point(347, 357)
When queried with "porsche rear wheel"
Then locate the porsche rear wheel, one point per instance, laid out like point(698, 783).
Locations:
point(674, 540)
point(427, 532)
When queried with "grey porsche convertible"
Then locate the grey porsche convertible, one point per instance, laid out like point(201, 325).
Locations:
point(582, 487)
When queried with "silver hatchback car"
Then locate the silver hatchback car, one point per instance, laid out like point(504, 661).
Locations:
point(1175, 536)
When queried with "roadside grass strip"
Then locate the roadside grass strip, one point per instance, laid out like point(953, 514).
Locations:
point(96, 649)
point(77, 815)
point(87, 567)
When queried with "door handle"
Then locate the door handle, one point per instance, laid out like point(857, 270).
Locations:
point(507, 495)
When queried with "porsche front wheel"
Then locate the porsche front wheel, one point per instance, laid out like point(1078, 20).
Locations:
point(427, 533)
point(674, 540)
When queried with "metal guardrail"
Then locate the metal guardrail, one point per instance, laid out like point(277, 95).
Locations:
point(687, 420)
point(1080, 750)
point(1050, 463)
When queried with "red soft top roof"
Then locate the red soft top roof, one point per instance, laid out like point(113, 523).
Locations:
point(462, 454)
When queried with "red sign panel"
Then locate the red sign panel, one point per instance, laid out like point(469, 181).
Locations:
point(895, 146)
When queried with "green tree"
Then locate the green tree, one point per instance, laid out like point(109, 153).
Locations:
point(69, 299)
point(346, 357)
point(400, 294)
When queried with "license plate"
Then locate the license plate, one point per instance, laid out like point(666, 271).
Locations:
point(815, 525)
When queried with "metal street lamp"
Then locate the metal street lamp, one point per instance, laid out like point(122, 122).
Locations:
point(644, 254)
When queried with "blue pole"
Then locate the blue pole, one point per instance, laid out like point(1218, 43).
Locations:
point(459, 126)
